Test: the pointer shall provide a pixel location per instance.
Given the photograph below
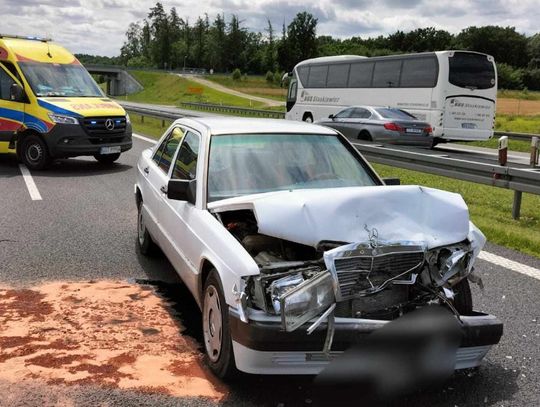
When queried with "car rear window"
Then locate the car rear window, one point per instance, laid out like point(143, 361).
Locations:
point(389, 113)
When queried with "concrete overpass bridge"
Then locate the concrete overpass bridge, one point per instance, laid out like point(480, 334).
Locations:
point(119, 81)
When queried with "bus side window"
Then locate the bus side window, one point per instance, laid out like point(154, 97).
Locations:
point(360, 75)
point(386, 74)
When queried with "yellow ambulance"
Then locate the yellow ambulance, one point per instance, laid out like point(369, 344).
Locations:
point(50, 107)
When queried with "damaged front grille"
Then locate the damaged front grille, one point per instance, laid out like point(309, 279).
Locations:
point(365, 270)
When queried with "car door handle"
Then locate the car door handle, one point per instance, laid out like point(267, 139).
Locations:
point(146, 170)
point(163, 189)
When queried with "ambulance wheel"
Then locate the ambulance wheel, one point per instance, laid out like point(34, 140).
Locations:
point(34, 153)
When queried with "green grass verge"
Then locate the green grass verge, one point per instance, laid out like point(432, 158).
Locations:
point(519, 94)
point(169, 89)
point(149, 127)
point(490, 208)
point(516, 124)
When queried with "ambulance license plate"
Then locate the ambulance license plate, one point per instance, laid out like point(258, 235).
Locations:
point(110, 150)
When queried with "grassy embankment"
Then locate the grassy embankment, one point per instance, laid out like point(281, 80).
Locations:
point(168, 89)
point(255, 85)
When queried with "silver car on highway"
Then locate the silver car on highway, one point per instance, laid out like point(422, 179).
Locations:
point(384, 124)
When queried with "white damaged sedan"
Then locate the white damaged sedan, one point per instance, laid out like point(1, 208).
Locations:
point(296, 250)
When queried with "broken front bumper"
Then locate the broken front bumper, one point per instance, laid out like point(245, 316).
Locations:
point(262, 347)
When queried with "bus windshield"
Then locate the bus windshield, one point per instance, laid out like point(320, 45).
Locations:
point(254, 163)
point(60, 80)
point(473, 71)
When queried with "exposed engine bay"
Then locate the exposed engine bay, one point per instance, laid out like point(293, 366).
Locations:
point(373, 279)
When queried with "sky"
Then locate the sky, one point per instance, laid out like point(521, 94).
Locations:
point(98, 26)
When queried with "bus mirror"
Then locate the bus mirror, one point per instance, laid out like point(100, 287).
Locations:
point(16, 93)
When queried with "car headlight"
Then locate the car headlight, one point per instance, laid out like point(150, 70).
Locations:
point(306, 300)
point(61, 119)
point(452, 265)
point(128, 119)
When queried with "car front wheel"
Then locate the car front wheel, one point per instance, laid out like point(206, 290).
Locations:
point(146, 244)
point(216, 332)
point(34, 153)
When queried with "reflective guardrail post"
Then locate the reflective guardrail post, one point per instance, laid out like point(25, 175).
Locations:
point(534, 151)
point(503, 150)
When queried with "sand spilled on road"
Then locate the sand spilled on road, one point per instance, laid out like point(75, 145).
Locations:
point(101, 333)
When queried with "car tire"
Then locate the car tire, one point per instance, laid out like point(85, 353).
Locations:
point(463, 302)
point(308, 118)
point(216, 330)
point(107, 158)
point(34, 153)
point(146, 245)
point(364, 135)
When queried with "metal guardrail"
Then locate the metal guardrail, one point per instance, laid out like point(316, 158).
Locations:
point(519, 180)
point(210, 107)
point(516, 136)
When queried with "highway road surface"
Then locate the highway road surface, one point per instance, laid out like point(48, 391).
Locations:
point(86, 320)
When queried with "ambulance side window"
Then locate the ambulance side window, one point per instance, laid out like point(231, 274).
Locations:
point(11, 68)
point(5, 85)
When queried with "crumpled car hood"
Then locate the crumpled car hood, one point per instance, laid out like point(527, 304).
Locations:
point(398, 213)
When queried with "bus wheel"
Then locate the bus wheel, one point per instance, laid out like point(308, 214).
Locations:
point(308, 118)
point(364, 135)
point(435, 142)
point(34, 153)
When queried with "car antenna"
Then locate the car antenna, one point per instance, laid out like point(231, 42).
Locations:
point(48, 49)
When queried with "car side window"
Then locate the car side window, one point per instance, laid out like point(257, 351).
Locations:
point(185, 166)
point(362, 113)
point(165, 153)
point(5, 85)
point(344, 114)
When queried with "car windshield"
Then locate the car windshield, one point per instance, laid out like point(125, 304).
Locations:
point(62, 80)
point(389, 113)
point(254, 163)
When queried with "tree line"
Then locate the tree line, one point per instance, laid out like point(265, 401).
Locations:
point(164, 40)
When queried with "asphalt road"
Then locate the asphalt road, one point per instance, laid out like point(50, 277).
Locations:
point(84, 228)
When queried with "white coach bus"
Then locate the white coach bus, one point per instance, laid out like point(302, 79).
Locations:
point(455, 91)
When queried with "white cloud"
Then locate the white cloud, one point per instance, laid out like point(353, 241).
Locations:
point(98, 26)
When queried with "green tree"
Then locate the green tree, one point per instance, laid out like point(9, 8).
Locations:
point(505, 44)
point(509, 77)
point(160, 31)
point(302, 37)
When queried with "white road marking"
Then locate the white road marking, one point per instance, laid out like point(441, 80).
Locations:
point(510, 264)
point(148, 140)
point(486, 256)
point(30, 184)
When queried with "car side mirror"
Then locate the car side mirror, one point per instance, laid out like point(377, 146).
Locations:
point(16, 93)
point(331, 117)
point(182, 190)
point(391, 181)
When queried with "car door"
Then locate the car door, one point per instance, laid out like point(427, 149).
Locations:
point(11, 111)
point(352, 125)
point(156, 176)
point(339, 121)
point(177, 216)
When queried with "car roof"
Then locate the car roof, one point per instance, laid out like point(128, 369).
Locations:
point(216, 125)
